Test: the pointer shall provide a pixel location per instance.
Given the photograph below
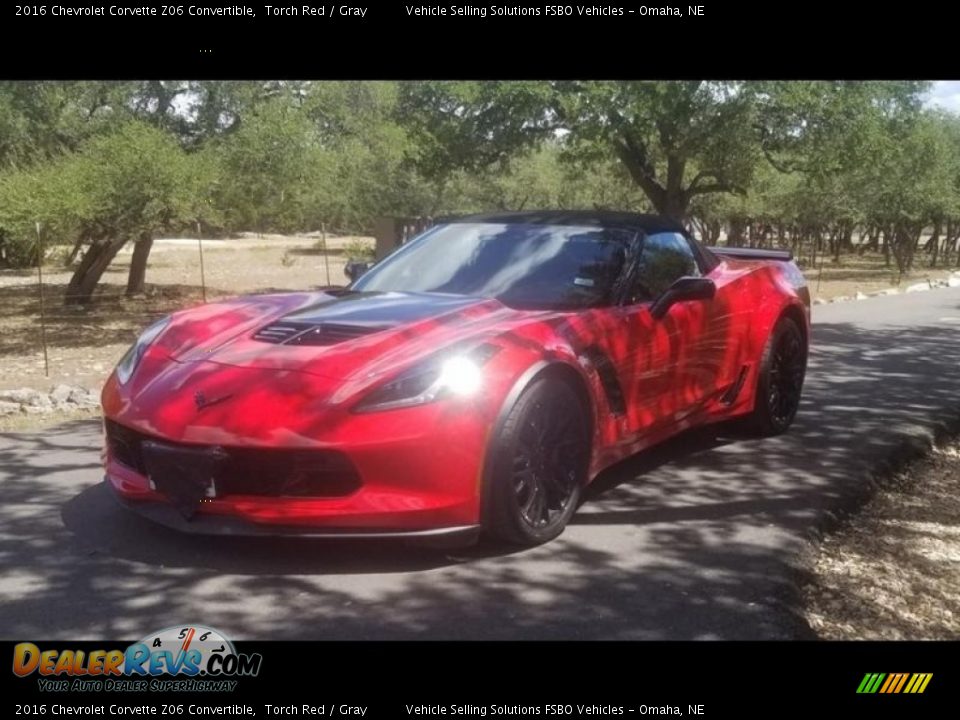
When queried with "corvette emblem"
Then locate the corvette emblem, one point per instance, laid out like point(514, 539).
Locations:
point(201, 401)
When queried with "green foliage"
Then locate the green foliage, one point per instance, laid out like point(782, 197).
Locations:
point(541, 178)
point(45, 194)
point(358, 249)
point(131, 182)
point(814, 160)
point(135, 181)
point(677, 139)
point(658, 130)
point(272, 166)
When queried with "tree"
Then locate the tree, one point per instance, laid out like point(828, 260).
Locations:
point(46, 194)
point(271, 165)
point(41, 120)
point(680, 141)
point(134, 182)
point(676, 140)
point(913, 186)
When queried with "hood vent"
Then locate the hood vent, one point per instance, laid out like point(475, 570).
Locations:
point(281, 332)
point(294, 333)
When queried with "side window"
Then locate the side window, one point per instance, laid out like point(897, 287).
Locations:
point(665, 258)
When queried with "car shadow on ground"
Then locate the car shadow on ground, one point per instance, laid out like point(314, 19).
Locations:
point(103, 526)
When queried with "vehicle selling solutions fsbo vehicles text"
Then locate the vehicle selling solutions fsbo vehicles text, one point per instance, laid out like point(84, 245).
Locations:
point(478, 11)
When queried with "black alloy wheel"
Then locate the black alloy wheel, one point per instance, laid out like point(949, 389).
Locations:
point(780, 383)
point(540, 465)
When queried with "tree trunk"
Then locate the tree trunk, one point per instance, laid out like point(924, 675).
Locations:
point(846, 239)
point(905, 242)
point(138, 265)
point(699, 227)
point(873, 240)
point(674, 206)
point(735, 236)
point(677, 201)
point(670, 200)
point(95, 262)
point(934, 241)
point(950, 242)
point(72, 257)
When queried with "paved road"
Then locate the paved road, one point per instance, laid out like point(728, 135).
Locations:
point(701, 538)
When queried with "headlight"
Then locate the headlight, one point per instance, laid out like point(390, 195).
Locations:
point(457, 374)
point(128, 363)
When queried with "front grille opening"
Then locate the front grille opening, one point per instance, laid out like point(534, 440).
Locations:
point(259, 472)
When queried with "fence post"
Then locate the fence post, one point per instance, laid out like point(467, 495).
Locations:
point(203, 278)
point(43, 312)
point(326, 255)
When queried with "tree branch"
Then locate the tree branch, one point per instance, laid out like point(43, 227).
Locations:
point(702, 175)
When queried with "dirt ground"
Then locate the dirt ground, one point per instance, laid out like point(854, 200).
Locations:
point(866, 274)
point(85, 343)
point(893, 572)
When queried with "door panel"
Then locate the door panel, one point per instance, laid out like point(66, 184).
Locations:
point(710, 340)
point(647, 356)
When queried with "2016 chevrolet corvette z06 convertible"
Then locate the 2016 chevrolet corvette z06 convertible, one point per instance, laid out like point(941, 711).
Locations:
point(475, 380)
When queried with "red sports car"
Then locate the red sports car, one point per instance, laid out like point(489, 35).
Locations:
point(477, 379)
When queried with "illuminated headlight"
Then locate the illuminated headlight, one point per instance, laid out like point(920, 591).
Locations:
point(459, 375)
point(128, 363)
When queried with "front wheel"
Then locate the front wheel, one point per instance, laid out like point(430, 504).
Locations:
point(539, 465)
point(782, 370)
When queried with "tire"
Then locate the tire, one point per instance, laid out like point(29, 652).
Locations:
point(783, 367)
point(539, 465)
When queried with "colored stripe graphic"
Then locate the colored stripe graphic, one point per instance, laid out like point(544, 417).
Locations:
point(871, 682)
point(894, 683)
point(918, 683)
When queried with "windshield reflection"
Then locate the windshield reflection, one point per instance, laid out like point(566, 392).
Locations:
point(522, 265)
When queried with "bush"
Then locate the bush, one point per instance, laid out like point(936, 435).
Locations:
point(357, 249)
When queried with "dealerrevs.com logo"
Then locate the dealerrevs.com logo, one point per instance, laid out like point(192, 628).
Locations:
point(190, 658)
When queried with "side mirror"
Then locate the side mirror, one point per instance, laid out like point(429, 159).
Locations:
point(354, 269)
point(685, 288)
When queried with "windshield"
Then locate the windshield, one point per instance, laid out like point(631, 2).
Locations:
point(522, 265)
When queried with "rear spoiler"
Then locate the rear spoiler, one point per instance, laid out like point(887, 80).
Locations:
point(752, 253)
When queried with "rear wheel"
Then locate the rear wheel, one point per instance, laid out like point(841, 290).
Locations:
point(539, 465)
point(782, 371)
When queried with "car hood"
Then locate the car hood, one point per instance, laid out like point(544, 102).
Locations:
point(333, 335)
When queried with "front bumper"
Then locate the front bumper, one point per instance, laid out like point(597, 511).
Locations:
point(165, 514)
point(418, 470)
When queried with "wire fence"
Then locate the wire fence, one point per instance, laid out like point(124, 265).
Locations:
point(57, 318)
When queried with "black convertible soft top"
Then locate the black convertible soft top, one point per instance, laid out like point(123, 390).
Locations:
point(598, 218)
